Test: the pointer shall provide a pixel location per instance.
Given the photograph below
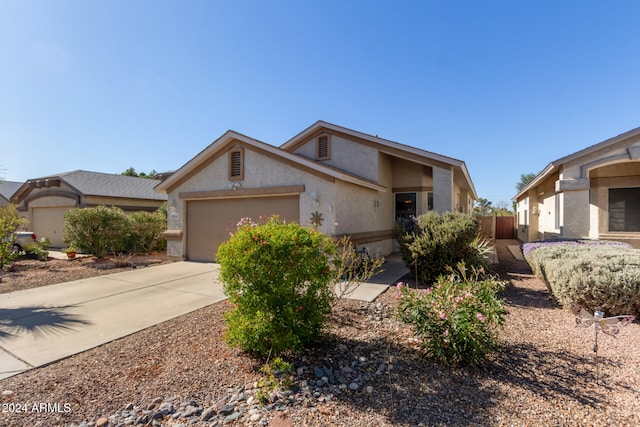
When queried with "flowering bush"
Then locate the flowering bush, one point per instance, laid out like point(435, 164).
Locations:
point(592, 273)
point(279, 278)
point(457, 318)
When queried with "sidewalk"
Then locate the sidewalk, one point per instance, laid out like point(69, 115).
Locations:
point(42, 325)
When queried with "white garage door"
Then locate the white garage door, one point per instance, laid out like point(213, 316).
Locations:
point(210, 221)
point(49, 222)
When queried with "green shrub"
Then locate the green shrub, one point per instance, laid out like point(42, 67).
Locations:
point(276, 377)
point(432, 242)
point(146, 231)
point(457, 318)
point(279, 278)
point(41, 250)
point(10, 222)
point(98, 231)
point(591, 273)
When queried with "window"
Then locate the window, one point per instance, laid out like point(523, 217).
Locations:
point(405, 205)
point(430, 201)
point(323, 147)
point(236, 164)
point(624, 209)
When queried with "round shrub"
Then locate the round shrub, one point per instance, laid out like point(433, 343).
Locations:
point(278, 277)
point(432, 242)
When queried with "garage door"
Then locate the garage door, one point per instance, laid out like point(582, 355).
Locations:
point(209, 221)
point(49, 222)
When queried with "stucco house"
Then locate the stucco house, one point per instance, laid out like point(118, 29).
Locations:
point(342, 181)
point(7, 189)
point(44, 201)
point(593, 193)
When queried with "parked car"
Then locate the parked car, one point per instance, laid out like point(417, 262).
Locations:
point(24, 240)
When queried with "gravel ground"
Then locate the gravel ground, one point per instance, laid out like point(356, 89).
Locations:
point(28, 273)
point(369, 372)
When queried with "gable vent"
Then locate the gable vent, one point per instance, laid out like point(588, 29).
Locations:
point(235, 165)
point(324, 152)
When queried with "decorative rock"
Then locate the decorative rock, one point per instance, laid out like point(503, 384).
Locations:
point(102, 422)
point(208, 414)
point(226, 410)
point(7, 393)
point(354, 386)
point(231, 418)
point(281, 419)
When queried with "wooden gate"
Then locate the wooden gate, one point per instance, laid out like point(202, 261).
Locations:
point(505, 227)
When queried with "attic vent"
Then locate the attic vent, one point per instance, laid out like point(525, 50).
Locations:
point(236, 169)
point(324, 149)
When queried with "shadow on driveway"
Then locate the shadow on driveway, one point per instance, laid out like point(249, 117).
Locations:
point(37, 321)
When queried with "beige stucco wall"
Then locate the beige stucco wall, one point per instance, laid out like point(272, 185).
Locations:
point(346, 155)
point(260, 171)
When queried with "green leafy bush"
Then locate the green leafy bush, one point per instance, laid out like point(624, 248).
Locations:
point(279, 278)
point(457, 318)
point(98, 231)
point(146, 230)
point(10, 222)
point(592, 273)
point(432, 242)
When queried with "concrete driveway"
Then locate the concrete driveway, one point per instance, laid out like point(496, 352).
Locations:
point(41, 325)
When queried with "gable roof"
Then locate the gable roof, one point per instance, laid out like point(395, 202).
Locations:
point(100, 184)
point(386, 146)
point(556, 164)
point(8, 188)
point(230, 137)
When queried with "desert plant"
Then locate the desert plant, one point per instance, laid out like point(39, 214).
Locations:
point(352, 267)
point(457, 318)
point(592, 273)
point(278, 276)
point(432, 242)
point(98, 230)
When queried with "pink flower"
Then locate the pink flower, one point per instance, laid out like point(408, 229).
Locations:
point(446, 332)
point(443, 315)
point(458, 299)
point(400, 284)
point(481, 317)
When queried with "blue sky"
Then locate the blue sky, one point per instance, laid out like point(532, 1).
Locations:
point(506, 86)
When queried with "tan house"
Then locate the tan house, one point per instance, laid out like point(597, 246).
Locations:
point(44, 201)
point(7, 189)
point(342, 181)
point(593, 193)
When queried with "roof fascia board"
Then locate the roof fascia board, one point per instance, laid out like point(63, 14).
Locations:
point(228, 137)
point(535, 181)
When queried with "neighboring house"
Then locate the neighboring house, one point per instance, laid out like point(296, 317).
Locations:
point(7, 189)
point(44, 201)
point(593, 193)
point(342, 181)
